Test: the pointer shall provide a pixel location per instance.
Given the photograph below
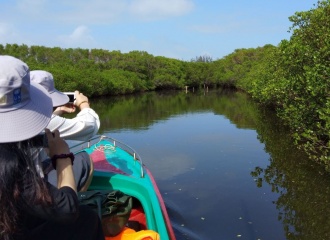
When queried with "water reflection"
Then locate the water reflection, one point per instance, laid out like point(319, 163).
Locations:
point(303, 188)
point(226, 167)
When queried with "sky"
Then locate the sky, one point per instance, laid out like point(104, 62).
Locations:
point(180, 29)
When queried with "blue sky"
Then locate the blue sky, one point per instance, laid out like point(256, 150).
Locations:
point(181, 29)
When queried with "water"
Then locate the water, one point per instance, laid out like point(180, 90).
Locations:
point(226, 168)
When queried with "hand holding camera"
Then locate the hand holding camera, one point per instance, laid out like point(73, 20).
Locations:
point(81, 100)
point(76, 99)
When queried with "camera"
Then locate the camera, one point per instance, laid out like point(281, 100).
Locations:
point(71, 96)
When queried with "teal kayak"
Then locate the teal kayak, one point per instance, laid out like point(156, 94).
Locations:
point(118, 166)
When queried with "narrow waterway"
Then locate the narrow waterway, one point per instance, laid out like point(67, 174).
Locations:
point(226, 168)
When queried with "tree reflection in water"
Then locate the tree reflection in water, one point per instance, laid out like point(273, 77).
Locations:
point(303, 186)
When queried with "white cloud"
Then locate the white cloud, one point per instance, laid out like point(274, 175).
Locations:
point(7, 33)
point(92, 12)
point(110, 11)
point(80, 37)
point(154, 9)
point(105, 12)
point(4, 29)
point(31, 7)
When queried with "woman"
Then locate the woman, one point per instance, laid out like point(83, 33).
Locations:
point(83, 126)
point(32, 208)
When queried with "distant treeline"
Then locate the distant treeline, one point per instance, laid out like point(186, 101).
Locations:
point(292, 78)
point(99, 72)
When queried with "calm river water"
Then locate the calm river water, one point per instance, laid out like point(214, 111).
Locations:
point(226, 168)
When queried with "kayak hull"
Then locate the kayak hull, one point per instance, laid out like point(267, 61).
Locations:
point(118, 166)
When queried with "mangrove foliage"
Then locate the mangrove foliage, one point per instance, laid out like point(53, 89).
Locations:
point(291, 78)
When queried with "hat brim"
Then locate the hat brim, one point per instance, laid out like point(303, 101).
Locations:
point(59, 99)
point(29, 120)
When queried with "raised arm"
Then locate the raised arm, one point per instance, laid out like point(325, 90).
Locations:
point(62, 159)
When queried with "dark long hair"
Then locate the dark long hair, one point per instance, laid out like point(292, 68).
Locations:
point(17, 172)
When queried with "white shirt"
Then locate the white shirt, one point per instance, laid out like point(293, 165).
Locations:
point(84, 126)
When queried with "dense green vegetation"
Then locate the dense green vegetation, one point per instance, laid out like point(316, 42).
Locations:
point(297, 81)
point(291, 78)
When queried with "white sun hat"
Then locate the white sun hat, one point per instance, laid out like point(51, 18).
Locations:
point(25, 108)
point(46, 80)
